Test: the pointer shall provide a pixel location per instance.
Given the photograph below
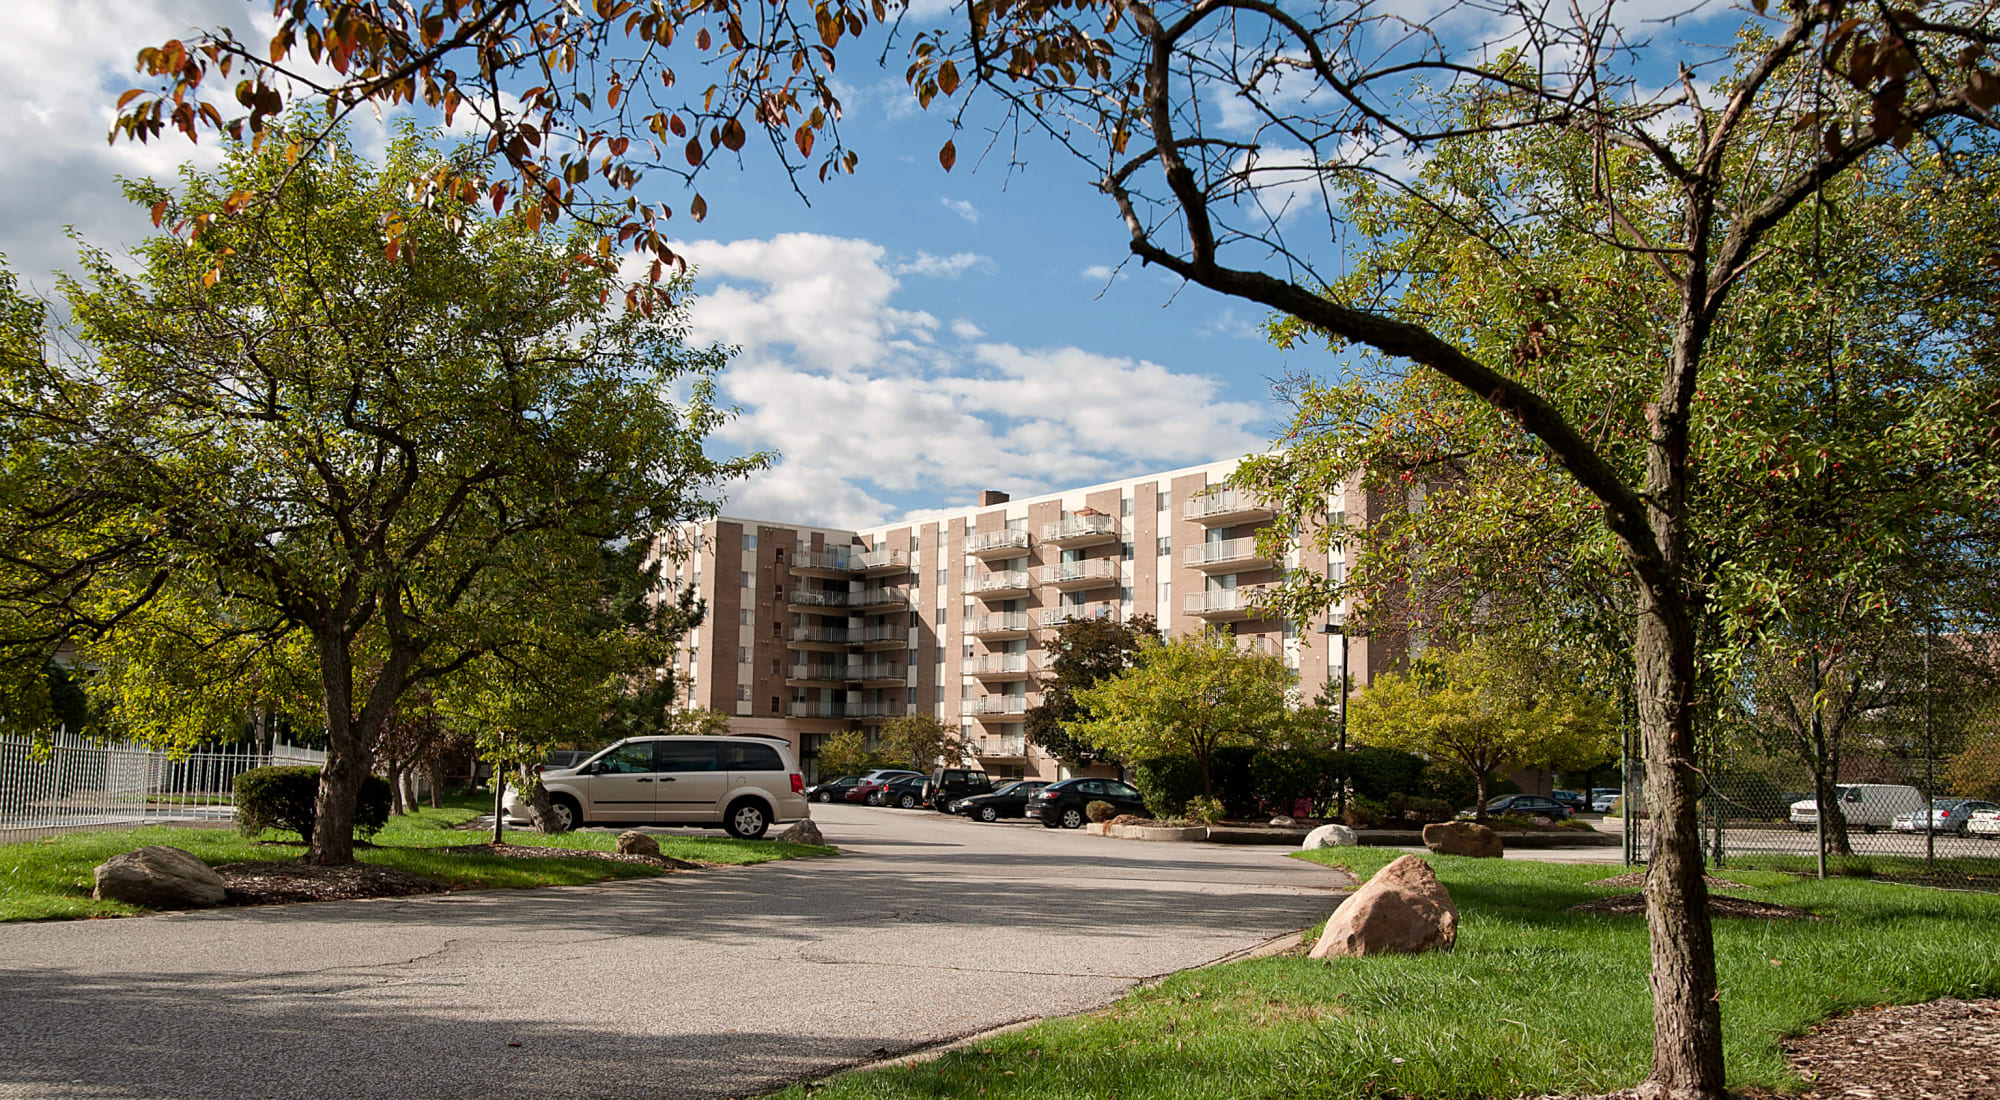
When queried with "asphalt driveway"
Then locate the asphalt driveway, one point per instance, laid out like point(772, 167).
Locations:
point(721, 983)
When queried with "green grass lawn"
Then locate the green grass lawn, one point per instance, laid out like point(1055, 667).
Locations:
point(51, 877)
point(1534, 1000)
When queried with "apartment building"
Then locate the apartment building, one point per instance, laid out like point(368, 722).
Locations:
point(813, 630)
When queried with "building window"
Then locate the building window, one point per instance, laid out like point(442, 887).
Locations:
point(774, 699)
point(781, 554)
point(774, 666)
point(944, 578)
point(1166, 500)
point(916, 542)
point(1163, 546)
point(940, 615)
point(775, 630)
point(743, 654)
point(742, 693)
point(1125, 507)
point(1125, 594)
point(743, 578)
point(749, 542)
point(1125, 551)
point(745, 617)
point(916, 619)
point(781, 593)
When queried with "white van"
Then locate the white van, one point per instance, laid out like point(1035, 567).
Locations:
point(1868, 806)
point(740, 783)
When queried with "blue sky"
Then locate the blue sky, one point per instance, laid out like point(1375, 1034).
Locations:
point(909, 338)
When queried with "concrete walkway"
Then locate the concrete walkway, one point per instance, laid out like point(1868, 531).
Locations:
point(720, 983)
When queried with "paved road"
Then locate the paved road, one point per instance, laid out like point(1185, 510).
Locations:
point(716, 983)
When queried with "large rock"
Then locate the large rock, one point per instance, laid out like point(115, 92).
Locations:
point(1283, 822)
point(636, 843)
point(1404, 909)
point(1463, 838)
point(804, 832)
point(159, 877)
point(1330, 836)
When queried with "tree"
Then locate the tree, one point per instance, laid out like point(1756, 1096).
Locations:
point(377, 458)
point(1320, 95)
point(1483, 707)
point(1081, 653)
point(1186, 696)
point(921, 741)
point(846, 753)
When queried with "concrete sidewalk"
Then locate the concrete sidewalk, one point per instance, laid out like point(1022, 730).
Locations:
point(720, 983)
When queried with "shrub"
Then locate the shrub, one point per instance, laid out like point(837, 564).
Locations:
point(1205, 811)
point(1167, 782)
point(1283, 776)
point(1378, 773)
point(283, 798)
point(1100, 811)
point(1448, 782)
point(1411, 810)
point(1363, 813)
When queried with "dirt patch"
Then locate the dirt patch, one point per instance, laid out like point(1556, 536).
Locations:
point(282, 883)
point(523, 851)
point(1719, 905)
point(1638, 878)
point(1944, 1050)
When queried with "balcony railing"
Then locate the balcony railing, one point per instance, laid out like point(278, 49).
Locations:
point(996, 664)
point(839, 561)
point(851, 560)
point(1226, 552)
point(1006, 622)
point(1056, 616)
point(1004, 580)
point(875, 672)
point(1000, 746)
point(823, 635)
point(817, 597)
point(1223, 504)
point(872, 560)
point(1079, 574)
point(880, 595)
point(1227, 603)
point(830, 673)
point(846, 710)
point(1072, 530)
point(993, 542)
point(995, 704)
point(871, 635)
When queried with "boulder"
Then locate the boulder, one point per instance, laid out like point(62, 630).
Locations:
point(1463, 838)
point(1404, 909)
point(635, 843)
point(1543, 822)
point(804, 832)
point(1330, 836)
point(159, 877)
point(1283, 822)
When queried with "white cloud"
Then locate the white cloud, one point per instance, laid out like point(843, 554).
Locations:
point(962, 208)
point(943, 267)
point(1098, 273)
point(868, 402)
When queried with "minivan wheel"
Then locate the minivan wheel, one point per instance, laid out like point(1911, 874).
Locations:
point(568, 815)
point(747, 820)
point(1072, 818)
point(988, 814)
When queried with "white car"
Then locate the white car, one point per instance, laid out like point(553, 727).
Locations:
point(740, 783)
point(1948, 815)
point(1867, 806)
point(1984, 823)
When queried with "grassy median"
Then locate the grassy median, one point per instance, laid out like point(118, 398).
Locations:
point(50, 878)
point(1535, 1000)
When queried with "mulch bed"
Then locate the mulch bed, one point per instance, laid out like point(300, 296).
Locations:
point(281, 883)
point(524, 851)
point(1638, 878)
point(1719, 905)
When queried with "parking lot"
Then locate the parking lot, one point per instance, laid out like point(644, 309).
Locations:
point(718, 983)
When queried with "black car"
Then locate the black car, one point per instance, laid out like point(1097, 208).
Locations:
point(833, 790)
point(906, 793)
point(948, 785)
point(1527, 805)
point(1009, 801)
point(1062, 805)
point(1575, 800)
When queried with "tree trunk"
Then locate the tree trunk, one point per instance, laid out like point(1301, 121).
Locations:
point(395, 771)
point(540, 809)
point(332, 842)
point(1479, 805)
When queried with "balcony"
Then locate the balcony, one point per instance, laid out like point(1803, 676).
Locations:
point(809, 600)
point(877, 674)
point(1219, 506)
point(1227, 556)
point(994, 706)
point(1224, 604)
point(991, 545)
point(811, 673)
point(1080, 530)
point(1072, 576)
point(1056, 616)
point(885, 636)
point(1003, 584)
point(998, 626)
point(873, 562)
point(1016, 746)
point(837, 711)
point(848, 561)
point(807, 637)
point(878, 598)
point(997, 666)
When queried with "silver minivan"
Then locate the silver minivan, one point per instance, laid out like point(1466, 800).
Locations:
point(740, 783)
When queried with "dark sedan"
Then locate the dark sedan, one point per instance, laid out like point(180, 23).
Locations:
point(1527, 805)
point(1063, 805)
point(1009, 801)
point(833, 790)
point(905, 793)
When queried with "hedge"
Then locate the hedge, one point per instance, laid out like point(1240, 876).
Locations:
point(284, 798)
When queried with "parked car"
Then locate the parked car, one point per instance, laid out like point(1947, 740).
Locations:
point(1870, 806)
point(1062, 805)
point(564, 758)
point(1527, 805)
point(1948, 815)
point(1984, 823)
point(1009, 801)
point(740, 783)
point(1603, 798)
point(1575, 800)
point(869, 790)
point(948, 785)
point(833, 790)
point(905, 792)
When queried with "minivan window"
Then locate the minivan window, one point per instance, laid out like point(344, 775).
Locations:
point(737, 757)
point(626, 759)
point(686, 756)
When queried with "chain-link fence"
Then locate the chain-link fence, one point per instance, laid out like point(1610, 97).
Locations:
point(1878, 759)
point(66, 782)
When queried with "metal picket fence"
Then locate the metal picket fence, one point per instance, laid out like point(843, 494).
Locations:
point(68, 782)
point(1899, 744)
